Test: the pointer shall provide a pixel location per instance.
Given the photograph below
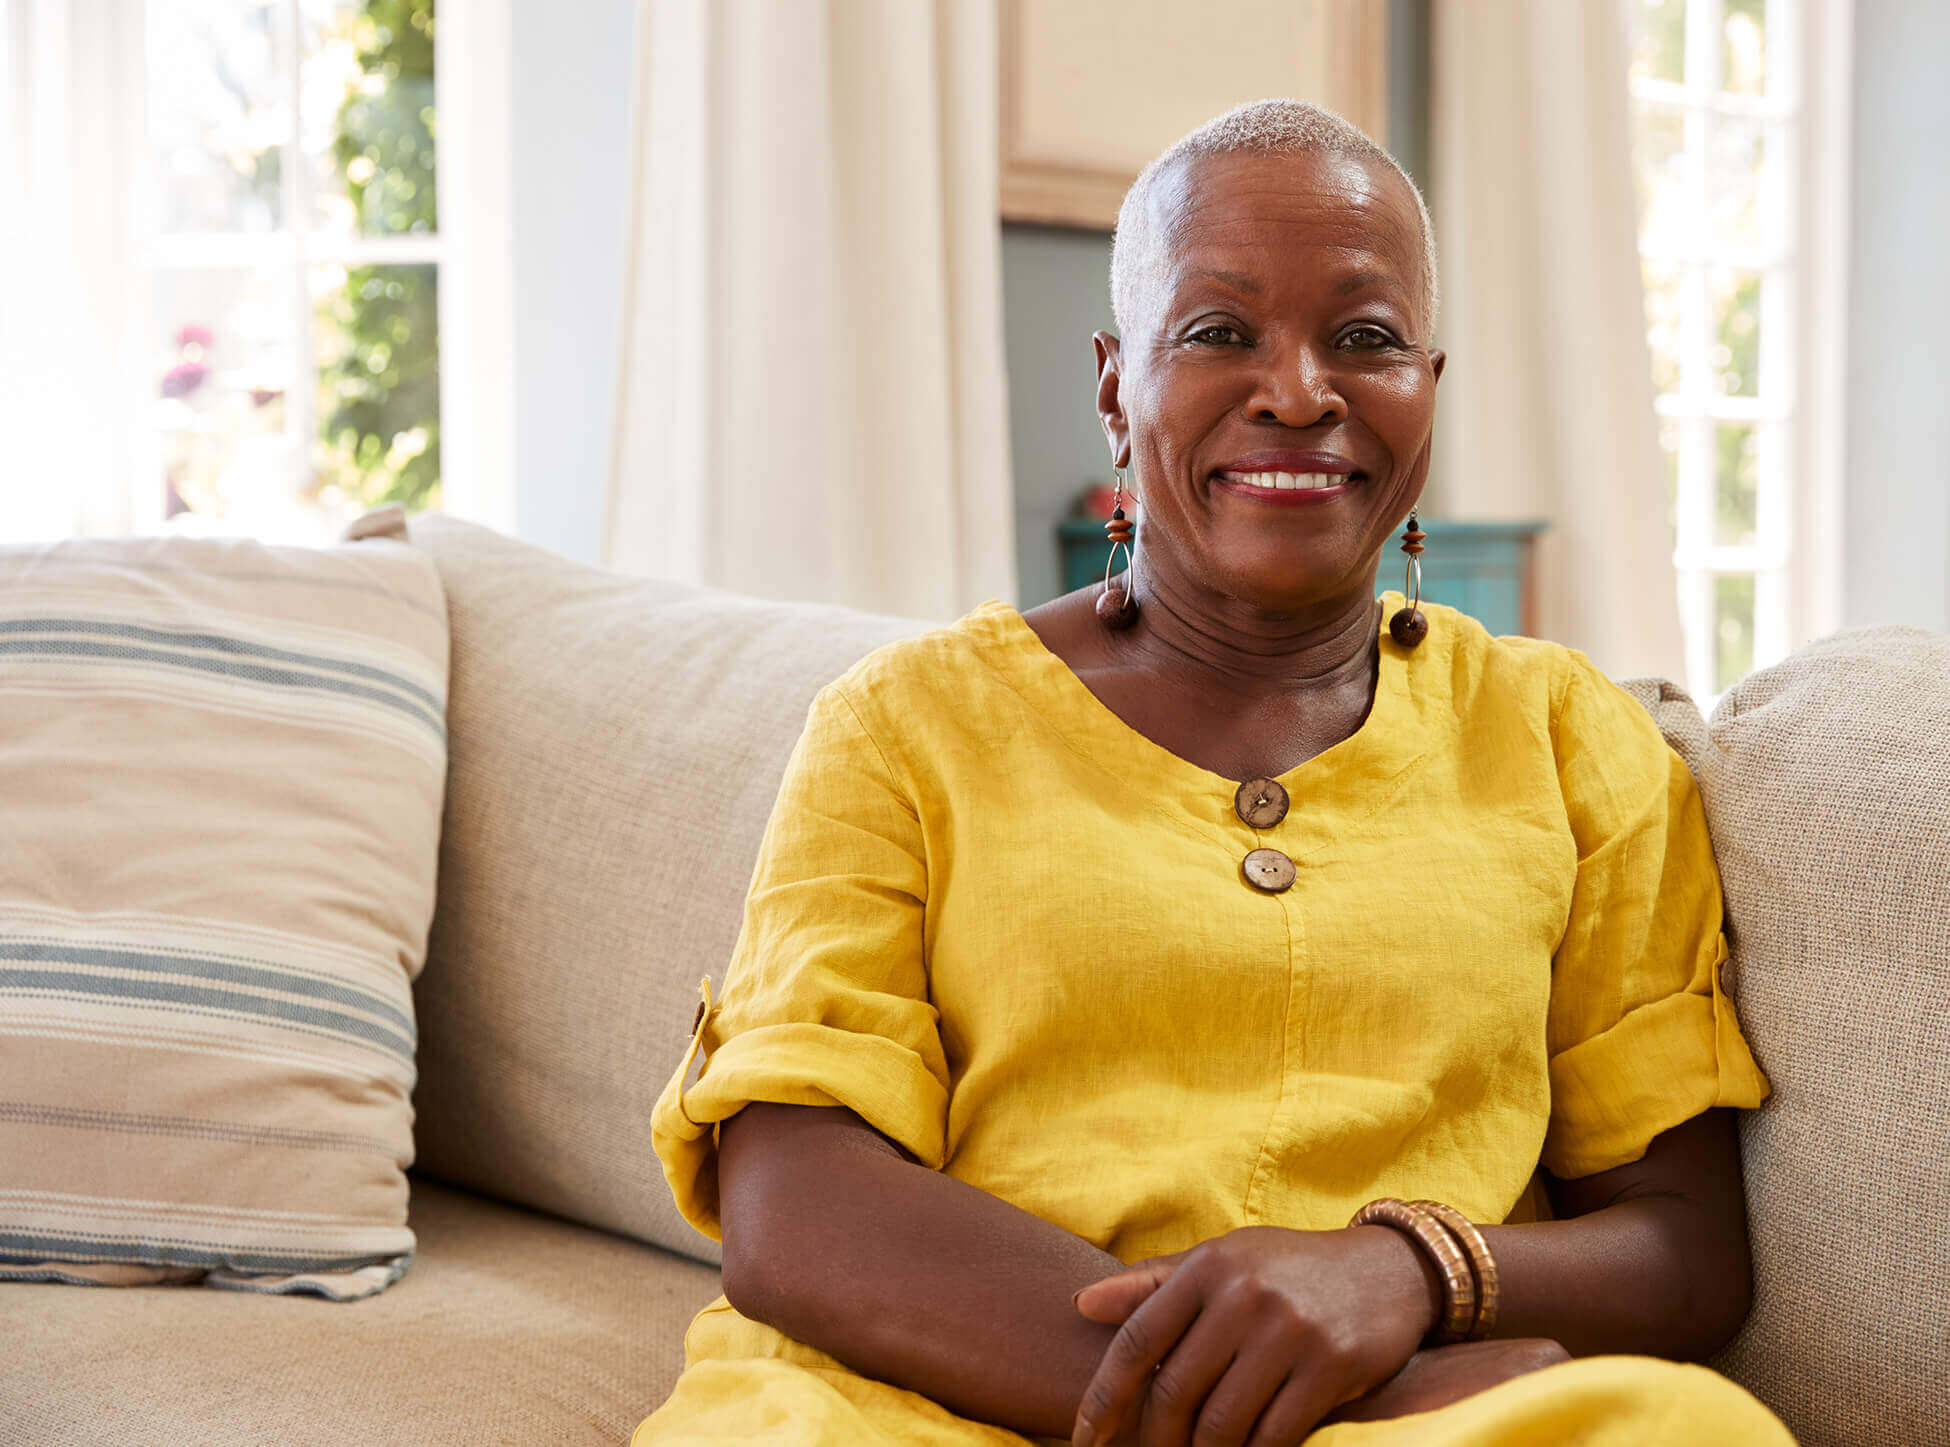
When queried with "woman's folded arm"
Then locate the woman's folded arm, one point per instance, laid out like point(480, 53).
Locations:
point(1654, 1259)
point(834, 1237)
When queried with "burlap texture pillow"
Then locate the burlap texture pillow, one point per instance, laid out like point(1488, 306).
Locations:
point(221, 768)
point(1827, 787)
point(616, 746)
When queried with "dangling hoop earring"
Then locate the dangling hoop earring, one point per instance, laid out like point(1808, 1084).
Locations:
point(1409, 627)
point(1117, 607)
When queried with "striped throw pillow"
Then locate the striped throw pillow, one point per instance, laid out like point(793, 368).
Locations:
point(221, 776)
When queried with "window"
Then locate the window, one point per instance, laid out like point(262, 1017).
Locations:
point(289, 248)
point(270, 246)
point(1718, 128)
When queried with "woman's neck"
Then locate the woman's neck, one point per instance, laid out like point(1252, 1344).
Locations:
point(1212, 642)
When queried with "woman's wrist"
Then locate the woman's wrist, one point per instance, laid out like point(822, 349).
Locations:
point(1416, 1284)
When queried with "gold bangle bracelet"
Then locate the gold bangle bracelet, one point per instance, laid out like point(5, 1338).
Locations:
point(1458, 1280)
point(1482, 1263)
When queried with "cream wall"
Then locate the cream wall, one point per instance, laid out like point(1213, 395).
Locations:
point(571, 135)
point(1896, 445)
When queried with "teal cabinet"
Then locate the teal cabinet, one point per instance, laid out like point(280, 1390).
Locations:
point(1483, 569)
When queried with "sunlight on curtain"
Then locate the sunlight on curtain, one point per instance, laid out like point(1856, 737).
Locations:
point(812, 402)
point(1547, 407)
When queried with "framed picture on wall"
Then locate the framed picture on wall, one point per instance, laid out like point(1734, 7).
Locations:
point(1093, 89)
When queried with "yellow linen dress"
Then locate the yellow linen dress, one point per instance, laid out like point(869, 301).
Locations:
point(1013, 934)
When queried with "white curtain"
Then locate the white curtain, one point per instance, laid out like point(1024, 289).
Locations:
point(1546, 408)
point(65, 308)
point(812, 400)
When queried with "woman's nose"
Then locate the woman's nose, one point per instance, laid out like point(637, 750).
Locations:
point(1297, 389)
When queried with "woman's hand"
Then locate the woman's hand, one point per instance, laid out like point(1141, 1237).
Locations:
point(1437, 1376)
point(1261, 1326)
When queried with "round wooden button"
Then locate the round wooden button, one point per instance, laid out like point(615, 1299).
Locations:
point(1261, 802)
point(1268, 870)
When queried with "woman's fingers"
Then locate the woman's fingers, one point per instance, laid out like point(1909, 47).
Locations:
point(1294, 1411)
point(1173, 1401)
point(1116, 1297)
point(1141, 1343)
point(1241, 1398)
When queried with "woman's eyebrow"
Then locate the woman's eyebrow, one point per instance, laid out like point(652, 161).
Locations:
point(1362, 279)
point(1237, 280)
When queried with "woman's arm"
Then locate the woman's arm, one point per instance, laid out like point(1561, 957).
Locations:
point(1657, 1263)
point(835, 1238)
point(1654, 1260)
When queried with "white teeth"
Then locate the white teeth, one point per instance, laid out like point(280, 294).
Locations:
point(1286, 480)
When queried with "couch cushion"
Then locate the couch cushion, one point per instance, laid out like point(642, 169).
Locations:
point(221, 768)
point(1826, 780)
point(616, 745)
point(511, 1327)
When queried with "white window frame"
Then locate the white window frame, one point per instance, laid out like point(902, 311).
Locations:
point(1795, 558)
point(75, 134)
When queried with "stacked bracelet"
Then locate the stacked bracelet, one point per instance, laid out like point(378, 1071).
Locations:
point(1488, 1287)
point(1461, 1257)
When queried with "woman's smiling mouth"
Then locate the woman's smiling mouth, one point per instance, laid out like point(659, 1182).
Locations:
point(1288, 477)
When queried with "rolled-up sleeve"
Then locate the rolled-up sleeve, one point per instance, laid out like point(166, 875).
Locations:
point(1641, 1035)
point(825, 1000)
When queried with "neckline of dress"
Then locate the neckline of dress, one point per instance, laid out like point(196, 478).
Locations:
point(1386, 740)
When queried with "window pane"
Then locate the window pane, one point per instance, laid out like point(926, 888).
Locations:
point(1741, 177)
point(378, 386)
point(369, 123)
point(1659, 167)
point(1733, 629)
point(1736, 485)
point(1743, 53)
point(1665, 303)
point(218, 113)
point(1660, 53)
point(1736, 333)
point(220, 349)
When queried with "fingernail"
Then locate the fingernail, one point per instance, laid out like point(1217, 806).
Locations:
point(1075, 1295)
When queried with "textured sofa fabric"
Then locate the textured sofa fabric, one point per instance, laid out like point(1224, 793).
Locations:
point(615, 747)
point(1826, 780)
point(510, 1328)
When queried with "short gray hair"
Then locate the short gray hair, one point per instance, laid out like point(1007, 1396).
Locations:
point(1264, 128)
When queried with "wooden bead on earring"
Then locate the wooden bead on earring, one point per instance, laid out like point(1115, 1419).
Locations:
point(1117, 606)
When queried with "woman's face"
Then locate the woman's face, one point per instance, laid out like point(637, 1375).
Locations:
point(1282, 330)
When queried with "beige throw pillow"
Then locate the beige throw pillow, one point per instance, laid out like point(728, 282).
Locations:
point(1827, 787)
point(221, 774)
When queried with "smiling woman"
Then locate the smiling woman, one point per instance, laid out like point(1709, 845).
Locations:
point(1095, 981)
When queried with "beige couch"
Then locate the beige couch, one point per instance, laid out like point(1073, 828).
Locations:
point(615, 746)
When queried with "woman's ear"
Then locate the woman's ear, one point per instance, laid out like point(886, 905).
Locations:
point(1110, 404)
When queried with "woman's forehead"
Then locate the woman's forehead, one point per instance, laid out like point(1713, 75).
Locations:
point(1219, 212)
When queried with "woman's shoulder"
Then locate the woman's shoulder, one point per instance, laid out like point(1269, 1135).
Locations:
point(1552, 684)
point(932, 678)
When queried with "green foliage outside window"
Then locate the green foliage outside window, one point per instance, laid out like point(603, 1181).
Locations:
point(379, 380)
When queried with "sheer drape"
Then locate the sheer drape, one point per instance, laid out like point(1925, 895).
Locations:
point(812, 399)
point(1546, 409)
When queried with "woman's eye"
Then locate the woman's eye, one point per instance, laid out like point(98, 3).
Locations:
point(1215, 334)
point(1367, 338)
